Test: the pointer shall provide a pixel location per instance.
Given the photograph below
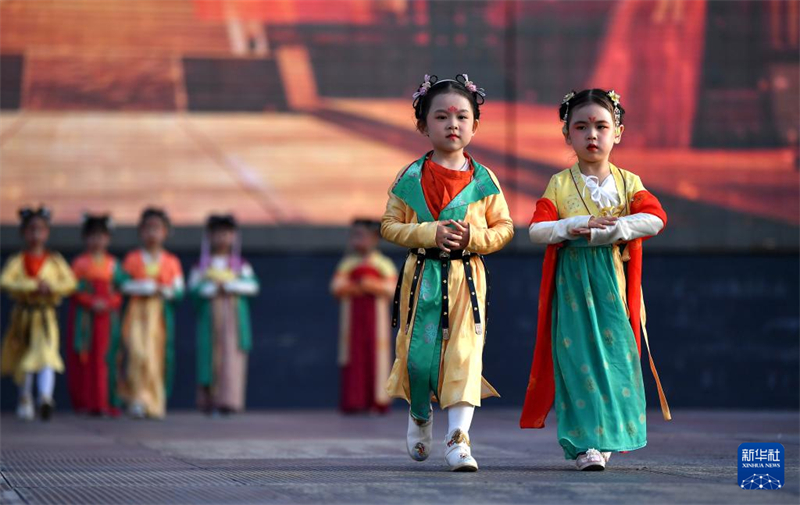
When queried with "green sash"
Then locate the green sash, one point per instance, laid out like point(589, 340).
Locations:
point(425, 343)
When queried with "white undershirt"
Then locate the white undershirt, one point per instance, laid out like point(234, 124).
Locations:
point(603, 195)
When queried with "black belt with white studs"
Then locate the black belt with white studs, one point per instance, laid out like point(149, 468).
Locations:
point(444, 259)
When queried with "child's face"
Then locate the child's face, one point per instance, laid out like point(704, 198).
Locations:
point(36, 233)
point(97, 241)
point(153, 232)
point(450, 123)
point(221, 240)
point(591, 132)
point(363, 240)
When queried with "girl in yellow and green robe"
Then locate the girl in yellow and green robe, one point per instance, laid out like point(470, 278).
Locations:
point(37, 280)
point(449, 211)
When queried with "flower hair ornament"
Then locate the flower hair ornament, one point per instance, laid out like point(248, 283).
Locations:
point(463, 79)
point(569, 96)
point(426, 85)
point(28, 213)
point(614, 97)
point(480, 93)
point(104, 220)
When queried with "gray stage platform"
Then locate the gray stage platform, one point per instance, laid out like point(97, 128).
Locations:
point(322, 457)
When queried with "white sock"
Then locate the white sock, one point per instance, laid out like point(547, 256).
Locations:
point(46, 380)
point(26, 389)
point(459, 416)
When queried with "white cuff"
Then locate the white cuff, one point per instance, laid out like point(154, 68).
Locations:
point(242, 287)
point(139, 287)
point(628, 228)
point(208, 290)
point(553, 232)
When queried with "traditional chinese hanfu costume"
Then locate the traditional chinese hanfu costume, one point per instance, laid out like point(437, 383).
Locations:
point(591, 313)
point(32, 340)
point(364, 341)
point(93, 336)
point(224, 335)
point(440, 305)
point(153, 285)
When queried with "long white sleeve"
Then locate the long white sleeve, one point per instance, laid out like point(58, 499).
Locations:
point(139, 287)
point(627, 228)
point(175, 290)
point(553, 232)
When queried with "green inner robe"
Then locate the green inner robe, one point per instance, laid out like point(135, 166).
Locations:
point(600, 400)
point(425, 343)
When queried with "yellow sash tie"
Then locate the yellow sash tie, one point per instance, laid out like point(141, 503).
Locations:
point(621, 282)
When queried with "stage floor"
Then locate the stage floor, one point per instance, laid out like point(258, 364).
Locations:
point(320, 456)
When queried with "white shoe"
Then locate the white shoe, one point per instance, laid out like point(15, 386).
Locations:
point(25, 409)
point(606, 456)
point(419, 438)
point(457, 452)
point(136, 410)
point(591, 460)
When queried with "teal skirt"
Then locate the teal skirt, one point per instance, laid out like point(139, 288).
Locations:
point(600, 400)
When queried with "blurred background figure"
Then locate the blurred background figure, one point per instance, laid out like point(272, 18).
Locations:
point(93, 330)
point(154, 283)
point(36, 279)
point(363, 283)
point(220, 285)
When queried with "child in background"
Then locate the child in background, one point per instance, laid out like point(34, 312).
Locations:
point(363, 283)
point(94, 322)
point(587, 355)
point(221, 285)
point(449, 211)
point(154, 283)
point(36, 280)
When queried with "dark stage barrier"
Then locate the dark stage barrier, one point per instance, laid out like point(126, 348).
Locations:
point(724, 331)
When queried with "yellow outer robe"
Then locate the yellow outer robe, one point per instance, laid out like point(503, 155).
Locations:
point(30, 351)
point(491, 229)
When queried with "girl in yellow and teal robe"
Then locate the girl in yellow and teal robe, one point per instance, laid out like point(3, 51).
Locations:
point(221, 286)
point(449, 211)
point(591, 310)
point(36, 280)
point(153, 283)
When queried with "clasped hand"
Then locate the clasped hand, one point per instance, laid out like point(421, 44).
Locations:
point(455, 238)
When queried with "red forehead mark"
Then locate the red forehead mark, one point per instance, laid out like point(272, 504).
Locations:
point(452, 109)
point(592, 119)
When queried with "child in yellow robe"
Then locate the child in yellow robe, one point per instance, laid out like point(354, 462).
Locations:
point(37, 280)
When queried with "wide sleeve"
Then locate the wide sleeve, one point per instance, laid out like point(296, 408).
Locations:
point(341, 286)
point(175, 290)
point(83, 294)
point(384, 286)
point(199, 286)
point(114, 299)
point(499, 230)
point(13, 278)
point(396, 230)
point(64, 282)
